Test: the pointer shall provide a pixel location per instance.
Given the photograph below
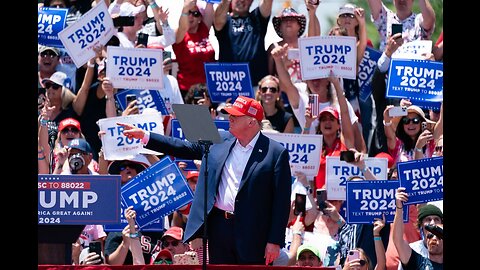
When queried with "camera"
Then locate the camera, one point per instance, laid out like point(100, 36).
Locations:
point(436, 230)
point(76, 162)
point(130, 98)
point(321, 198)
point(96, 246)
point(397, 111)
point(142, 39)
point(198, 93)
point(397, 28)
point(347, 156)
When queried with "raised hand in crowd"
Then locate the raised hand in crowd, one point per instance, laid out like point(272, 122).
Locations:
point(131, 237)
point(378, 225)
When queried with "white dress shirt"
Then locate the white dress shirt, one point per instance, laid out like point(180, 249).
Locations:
point(232, 174)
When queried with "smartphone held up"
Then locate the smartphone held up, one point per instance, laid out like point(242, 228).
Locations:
point(300, 204)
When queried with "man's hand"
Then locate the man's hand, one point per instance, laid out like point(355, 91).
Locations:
point(272, 251)
point(132, 132)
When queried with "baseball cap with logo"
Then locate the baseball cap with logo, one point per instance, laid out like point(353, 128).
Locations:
point(175, 232)
point(347, 9)
point(46, 48)
point(165, 253)
point(80, 144)
point(69, 122)
point(245, 106)
point(331, 111)
point(192, 174)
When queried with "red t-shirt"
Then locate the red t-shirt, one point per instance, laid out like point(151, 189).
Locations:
point(333, 152)
point(194, 50)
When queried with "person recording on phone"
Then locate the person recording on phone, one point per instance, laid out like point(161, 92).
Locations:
point(411, 259)
point(249, 182)
point(415, 26)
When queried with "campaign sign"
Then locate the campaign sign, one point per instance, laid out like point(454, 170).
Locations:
point(177, 132)
point(228, 80)
point(51, 21)
point(367, 200)
point(339, 172)
point(145, 99)
point(422, 179)
point(135, 68)
point(365, 72)
point(415, 79)
point(78, 199)
point(304, 150)
point(427, 105)
point(117, 146)
point(93, 28)
point(154, 227)
point(157, 192)
point(413, 50)
point(320, 54)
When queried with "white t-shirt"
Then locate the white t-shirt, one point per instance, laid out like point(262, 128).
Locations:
point(303, 102)
point(171, 92)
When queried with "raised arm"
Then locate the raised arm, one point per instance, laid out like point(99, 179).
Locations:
point(362, 35)
point(428, 15)
point(265, 7)
point(379, 247)
point(220, 15)
point(388, 128)
point(438, 129)
point(80, 100)
point(347, 128)
point(279, 55)
point(403, 249)
point(375, 8)
point(183, 21)
point(313, 22)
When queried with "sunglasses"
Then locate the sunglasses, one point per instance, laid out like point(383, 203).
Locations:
point(430, 235)
point(195, 13)
point(168, 243)
point(273, 90)
point(351, 16)
point(73, 130)
point(407, 120)
point(124, 166)
point(54, 86)
point(163, 261)
point(48, 54)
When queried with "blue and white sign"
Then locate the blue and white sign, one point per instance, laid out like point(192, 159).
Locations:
point(228, 80)
point(365, 72)
point(154, 227)
point(304, 150)
point(51, 21)
point(135, 68)
point(93, 28)
point(427, 105)
point(338, 172)
point(320, 54)
point(78, 199)
point(415, 79)
point(117, 146)
point(156, 192)
point(177, 132)
point(416, 49)
point(422, 179)
point(145, 99)
point(367, 200)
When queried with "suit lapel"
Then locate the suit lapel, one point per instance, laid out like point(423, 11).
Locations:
point(258, 154)
point(221, 160)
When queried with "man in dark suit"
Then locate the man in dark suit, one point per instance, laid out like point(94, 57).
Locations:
point(249, 186)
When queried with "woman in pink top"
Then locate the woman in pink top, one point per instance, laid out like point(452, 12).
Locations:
point(192, 47)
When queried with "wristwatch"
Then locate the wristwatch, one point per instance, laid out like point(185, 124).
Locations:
point(309, 189)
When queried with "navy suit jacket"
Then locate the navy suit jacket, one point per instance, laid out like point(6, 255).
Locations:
point(262, 204)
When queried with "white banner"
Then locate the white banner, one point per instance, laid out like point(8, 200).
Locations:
point(413, 50)
point(117, 146)
point(135, 68)
point(94, 27)
point(320, 54)
point(304, 150)
point(338, 172)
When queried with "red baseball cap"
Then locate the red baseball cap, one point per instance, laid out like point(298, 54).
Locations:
point(69, 122)
point(391, 162)
point(162, 253)
point(175, 232)
point(245, 106)
point(192, 174)
point(329, 110)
